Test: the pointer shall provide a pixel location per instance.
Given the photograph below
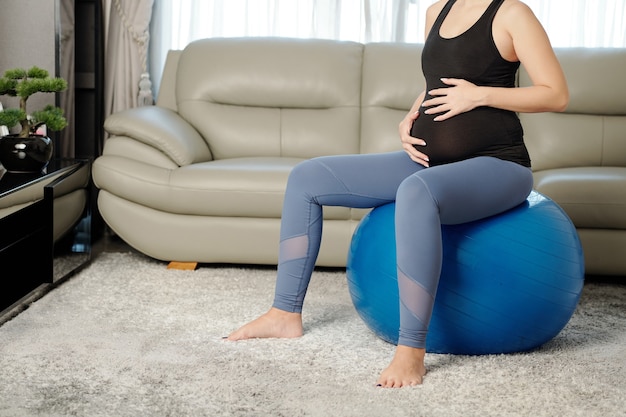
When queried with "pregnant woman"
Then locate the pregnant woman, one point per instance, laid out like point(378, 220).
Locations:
point(463, 159)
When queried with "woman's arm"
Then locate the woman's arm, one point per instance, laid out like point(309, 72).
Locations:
point(532, 48)
point(519, 36)
point(409, 141)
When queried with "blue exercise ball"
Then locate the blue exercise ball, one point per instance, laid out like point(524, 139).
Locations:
point(509, 283)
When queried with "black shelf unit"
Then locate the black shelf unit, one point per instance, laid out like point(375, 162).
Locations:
point(89, 90)
point(89, 73)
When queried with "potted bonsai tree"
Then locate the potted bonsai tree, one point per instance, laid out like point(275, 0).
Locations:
point(28, 150)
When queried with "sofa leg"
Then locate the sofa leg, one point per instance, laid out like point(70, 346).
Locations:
point(184, 266)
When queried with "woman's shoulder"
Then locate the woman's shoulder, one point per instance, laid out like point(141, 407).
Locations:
point(432, 12)
point(434, 9)
point(515, 9)
point(517, 19)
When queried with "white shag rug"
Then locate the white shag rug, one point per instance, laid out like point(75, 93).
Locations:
point(128, 337)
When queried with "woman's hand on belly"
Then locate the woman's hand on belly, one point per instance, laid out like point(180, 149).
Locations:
point(409, 143)
point(461, 96)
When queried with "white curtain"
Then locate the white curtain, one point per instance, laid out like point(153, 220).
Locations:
point(126, 34)
point(589, 23)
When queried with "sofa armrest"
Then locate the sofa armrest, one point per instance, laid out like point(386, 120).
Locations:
point(163, 129)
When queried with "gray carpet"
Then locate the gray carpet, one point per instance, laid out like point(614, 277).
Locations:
point(128, 337)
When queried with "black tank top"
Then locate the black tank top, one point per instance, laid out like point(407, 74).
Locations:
point(483, 131)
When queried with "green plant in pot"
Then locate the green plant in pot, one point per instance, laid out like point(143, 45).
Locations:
point(28, 151)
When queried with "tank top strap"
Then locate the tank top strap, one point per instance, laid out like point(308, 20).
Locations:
point(487, 16)
point(492, 9)
point(441, 17)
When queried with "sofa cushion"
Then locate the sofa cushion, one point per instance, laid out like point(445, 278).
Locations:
point(565, 140)
point(591, 131)
point(595, 86)
point(593, 197)
point(292, 98)
point(386, 96)
point(238, 187)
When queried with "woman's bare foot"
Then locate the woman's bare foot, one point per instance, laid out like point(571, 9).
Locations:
point(406, 368)
point(274, 323)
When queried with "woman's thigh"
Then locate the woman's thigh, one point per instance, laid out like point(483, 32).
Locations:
point(359, 181)
point(476, 188)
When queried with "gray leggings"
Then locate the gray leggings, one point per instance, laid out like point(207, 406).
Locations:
point(425, 199)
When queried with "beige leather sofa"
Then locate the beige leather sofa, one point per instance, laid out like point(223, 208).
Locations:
point(200, 176)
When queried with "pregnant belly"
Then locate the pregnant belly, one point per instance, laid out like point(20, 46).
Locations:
point(463, 136)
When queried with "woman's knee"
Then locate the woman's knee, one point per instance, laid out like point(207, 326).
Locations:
point(413, 192)
point(304, 171)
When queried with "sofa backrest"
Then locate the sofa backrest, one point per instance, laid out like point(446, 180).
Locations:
point(392, 80)
point(305, 98)
point(592, 130)
point(167, 87)
point(390, 76)
point(287, 97)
